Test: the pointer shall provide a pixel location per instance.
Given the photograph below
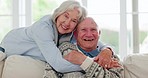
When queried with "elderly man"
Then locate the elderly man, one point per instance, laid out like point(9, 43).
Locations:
point(96, 59)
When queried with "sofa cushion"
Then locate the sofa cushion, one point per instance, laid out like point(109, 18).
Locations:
point(2, 57)
point(17, 66)
point(135, 66)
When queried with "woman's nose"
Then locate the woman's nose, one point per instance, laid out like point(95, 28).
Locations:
point(67, 22)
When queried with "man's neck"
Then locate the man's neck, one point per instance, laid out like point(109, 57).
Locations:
point(87, 49)
point(89, 52)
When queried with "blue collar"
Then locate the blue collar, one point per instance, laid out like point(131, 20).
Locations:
point(91, 54)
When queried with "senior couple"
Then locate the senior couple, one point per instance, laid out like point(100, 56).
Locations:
point(67, 54)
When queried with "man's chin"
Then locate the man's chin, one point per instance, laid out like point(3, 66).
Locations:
point(88, 46)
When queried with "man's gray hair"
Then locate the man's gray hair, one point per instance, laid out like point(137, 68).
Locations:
point(69, 5)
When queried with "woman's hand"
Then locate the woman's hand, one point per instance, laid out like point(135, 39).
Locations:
point(75, 57)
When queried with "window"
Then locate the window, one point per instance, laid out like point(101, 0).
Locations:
point(107, 17)
point(5, 17)
point(123, 23)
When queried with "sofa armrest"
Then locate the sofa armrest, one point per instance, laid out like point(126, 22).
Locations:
point(135, 66)
point(17, 66)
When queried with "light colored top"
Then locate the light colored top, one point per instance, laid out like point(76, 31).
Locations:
point(39, 42)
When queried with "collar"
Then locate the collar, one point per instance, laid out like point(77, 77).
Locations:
point(91, 54)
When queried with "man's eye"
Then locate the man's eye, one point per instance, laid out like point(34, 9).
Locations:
point(94, 30)
point(82, 29)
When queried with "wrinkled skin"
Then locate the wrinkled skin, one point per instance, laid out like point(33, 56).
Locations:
point(87, 36)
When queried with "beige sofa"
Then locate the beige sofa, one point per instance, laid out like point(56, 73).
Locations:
point(13, 66)
point(136, 66)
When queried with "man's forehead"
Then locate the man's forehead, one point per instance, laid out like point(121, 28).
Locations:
point(88, 21)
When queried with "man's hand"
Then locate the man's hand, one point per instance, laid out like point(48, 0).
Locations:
point(75, 57)
point(114, 63)
point(104, 58)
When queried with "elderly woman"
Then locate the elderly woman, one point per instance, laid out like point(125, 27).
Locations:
point(40, 40)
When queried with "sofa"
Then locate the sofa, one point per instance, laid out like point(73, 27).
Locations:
point(32, 68)
point(135, 66)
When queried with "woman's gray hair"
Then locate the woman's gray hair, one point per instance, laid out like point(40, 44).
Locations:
point(69, 5)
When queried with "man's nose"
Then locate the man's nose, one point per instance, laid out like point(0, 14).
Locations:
point(89, 34)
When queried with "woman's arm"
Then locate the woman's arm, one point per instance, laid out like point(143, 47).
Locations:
point(44, 36)
point(93, 69)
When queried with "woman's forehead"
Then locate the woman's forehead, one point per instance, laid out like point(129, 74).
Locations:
point(74, 13)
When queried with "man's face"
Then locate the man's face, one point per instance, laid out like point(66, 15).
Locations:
point(87, 35)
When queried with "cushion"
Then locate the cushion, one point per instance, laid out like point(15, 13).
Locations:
point(2, 57)
point(17, 66)
point(136, 66)
point(1, 67)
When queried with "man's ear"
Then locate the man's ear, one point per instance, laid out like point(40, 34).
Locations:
point(99, 32)
point(75, 34)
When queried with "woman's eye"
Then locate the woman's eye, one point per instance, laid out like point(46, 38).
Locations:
point(66, 15)
point(74, 21)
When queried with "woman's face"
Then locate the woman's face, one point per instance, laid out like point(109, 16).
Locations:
point(67, 21)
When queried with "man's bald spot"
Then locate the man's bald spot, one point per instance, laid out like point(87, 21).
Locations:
point(88, 20)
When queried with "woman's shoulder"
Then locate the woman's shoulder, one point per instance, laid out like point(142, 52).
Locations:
point(44, 21)
point(46, 18)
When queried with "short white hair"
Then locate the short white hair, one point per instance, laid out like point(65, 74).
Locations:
point(69, 5)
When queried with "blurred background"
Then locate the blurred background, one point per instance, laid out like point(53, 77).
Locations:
point(123, 22)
